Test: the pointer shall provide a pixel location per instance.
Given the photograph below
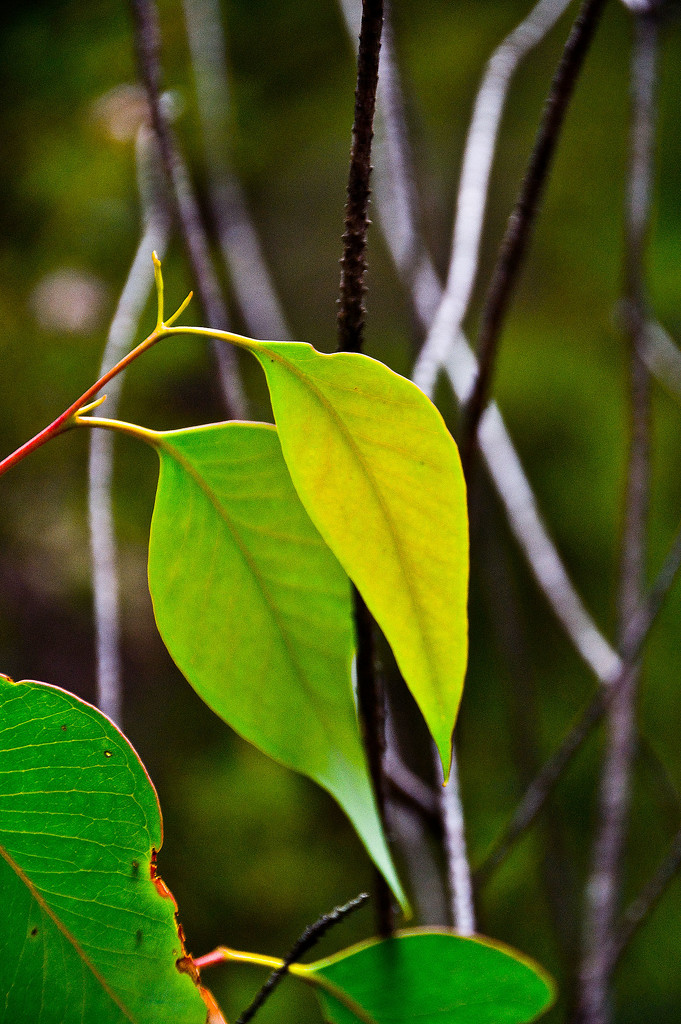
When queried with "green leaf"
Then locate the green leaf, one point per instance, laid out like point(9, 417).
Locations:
point(433, 977)
point(86, 933)
point(256, 611)
point(380, 477)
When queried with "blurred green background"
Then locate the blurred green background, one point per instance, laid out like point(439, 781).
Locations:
point(253, 853)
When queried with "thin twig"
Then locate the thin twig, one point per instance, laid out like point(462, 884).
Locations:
point(239, 243)
point(409, 786)
point(147, 41)
point(471, 202)
point(139, 285)
point(523, 217)
point(310, 937)
point(351, 314)
point(641, 907)
point(414, 817)
point(543, 785)
point(663, 358)
point(603, 886)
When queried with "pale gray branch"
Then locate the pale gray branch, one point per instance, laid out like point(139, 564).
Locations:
point(474, 186)
point(458, 866)
point(122, 333)
point(604, 881)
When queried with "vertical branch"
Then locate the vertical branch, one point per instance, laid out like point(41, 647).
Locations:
point(522, 219)
point(124, 325)
point(400, 224)
point(147, 41)
point(603, 889)
point(351, 312)
point(460, 882)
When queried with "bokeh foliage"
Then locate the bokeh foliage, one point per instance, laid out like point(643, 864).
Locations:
point(253, 853)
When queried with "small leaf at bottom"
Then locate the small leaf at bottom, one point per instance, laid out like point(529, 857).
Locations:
point(433, 977)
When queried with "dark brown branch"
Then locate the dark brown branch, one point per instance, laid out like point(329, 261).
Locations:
point(604, 883)
point(543, 785)
point(523, 217)
point(371, 713)
point(370, 695)
point(310, 937)
point(353, 263)
point(147, 42)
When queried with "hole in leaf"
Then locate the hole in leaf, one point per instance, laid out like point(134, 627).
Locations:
point(63, 728)
point(107, 753)
point(34, 931)
point(135, 869)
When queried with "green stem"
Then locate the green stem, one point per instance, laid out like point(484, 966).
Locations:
point(304, 972)
point(69, 418)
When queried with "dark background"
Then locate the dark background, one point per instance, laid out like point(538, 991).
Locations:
point(252, 852)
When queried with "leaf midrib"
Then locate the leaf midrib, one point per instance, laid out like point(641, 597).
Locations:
point(187, 466)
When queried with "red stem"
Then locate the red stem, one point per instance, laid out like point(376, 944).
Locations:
point(60, 424)
point(209, 959)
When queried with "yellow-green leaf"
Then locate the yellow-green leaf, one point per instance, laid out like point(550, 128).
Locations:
point(380, 477)
point(256, 610)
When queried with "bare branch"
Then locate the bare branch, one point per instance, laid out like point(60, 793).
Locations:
point(186, 207)
point(471, 203)
point(603, 886)
point(640, 909)
point(522, 219)
point(410, 787)
point(542, 786)
point(351, 314)
point(237, 236)
point(458, 867)
point(663, 358)
point(138, 287)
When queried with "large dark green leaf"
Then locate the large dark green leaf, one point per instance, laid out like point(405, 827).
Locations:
point(433, 978)
point(380, 477)
point(86, 934)
point(256, 610)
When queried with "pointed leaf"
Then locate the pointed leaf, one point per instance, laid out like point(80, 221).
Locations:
point(86, 933)
point(380, 477)
point(256, 611)
point(432, 977)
